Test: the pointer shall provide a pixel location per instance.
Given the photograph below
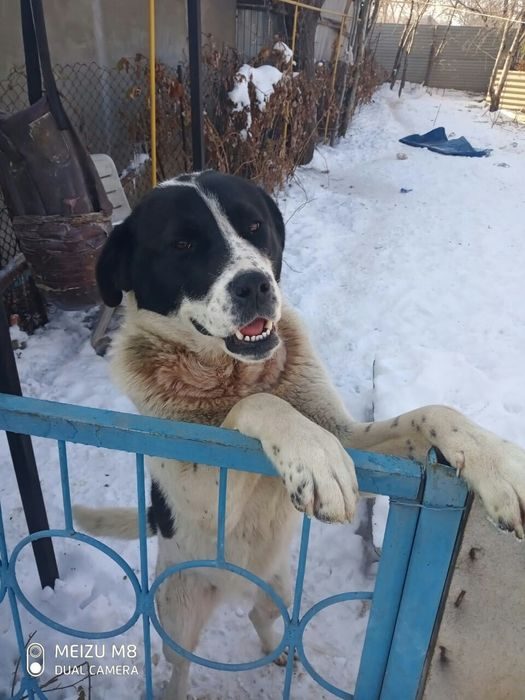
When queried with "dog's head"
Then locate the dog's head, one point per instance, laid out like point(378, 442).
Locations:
point(203, 252)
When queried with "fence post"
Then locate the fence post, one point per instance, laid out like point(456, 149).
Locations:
point(444, 510)
point(194, 44)
point(26, 471)
point(388, 590)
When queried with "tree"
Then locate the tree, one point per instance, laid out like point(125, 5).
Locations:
point(513, 32)
point(307, 21)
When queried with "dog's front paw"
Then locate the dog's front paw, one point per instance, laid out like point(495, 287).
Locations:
point(317, 472)
point(495, 469)
point(503, 490)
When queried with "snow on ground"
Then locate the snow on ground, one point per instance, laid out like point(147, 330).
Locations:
point(428, 285)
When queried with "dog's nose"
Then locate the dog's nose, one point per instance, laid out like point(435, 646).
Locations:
point(251, 285)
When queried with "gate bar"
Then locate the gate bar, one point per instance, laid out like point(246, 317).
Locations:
point(439, 530)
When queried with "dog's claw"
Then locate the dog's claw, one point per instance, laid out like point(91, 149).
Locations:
point(282, 659)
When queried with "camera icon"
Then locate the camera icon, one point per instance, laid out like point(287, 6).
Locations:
point(35, 659)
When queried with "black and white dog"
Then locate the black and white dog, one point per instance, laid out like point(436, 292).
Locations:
point(207, 339)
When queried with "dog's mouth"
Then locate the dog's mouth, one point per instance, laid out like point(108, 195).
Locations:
point(256, 339)
point(255, 331)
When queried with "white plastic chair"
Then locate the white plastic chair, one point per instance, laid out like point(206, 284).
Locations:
point(108, 174)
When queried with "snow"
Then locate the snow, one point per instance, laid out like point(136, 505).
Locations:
point(263, 78)
point(135, 165)
point(283, 49)
point(409, 298)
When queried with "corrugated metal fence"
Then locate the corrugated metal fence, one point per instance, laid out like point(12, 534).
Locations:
point(465, 62)
point(257, 24)
point(513, 95)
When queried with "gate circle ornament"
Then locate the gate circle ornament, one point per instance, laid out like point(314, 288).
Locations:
point(307, 618)
point(92, 542)
point(232, 568)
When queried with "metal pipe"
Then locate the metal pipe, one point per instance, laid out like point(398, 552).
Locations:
point(153, 93)
point(194, 46)
point(26, 472)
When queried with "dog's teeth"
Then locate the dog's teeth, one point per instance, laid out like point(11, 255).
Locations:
point(269, 326)
point(253, 338)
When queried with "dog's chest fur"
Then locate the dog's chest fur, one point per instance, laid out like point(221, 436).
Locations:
point(165, 379)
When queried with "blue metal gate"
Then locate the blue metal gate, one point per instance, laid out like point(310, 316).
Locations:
point(427, 506)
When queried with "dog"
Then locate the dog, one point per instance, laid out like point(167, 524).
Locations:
point(207, 338)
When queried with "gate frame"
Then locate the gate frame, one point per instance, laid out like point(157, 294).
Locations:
point(428, 510)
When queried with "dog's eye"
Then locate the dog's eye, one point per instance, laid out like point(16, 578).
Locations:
point(254, 227)
point(183, 245)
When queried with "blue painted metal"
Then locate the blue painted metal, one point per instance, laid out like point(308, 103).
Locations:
point(64, 482)
point(13, 585)
point(395, 556)
point(443, 509)
point(293, 627)
point(321, 605)
point(143, 602)
point(398, 478)
point(233, 568)
point(412, 572)
point(221, 515)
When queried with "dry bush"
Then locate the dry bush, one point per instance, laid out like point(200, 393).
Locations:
point(277, 139)
point(372, 76)
point(172, 121)
point(270, 150)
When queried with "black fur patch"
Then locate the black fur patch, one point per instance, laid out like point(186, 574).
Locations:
point(160, 516)
point(171, 248)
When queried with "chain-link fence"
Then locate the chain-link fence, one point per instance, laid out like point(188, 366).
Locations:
point(109, 107)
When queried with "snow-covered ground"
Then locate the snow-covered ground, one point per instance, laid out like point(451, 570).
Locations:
point(427, 286)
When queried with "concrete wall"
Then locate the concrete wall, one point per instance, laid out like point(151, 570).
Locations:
point(105, 30)
point(466, 61)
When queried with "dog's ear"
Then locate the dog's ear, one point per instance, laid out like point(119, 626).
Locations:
point(113, 269)
point(277, 218)
point(278, 225)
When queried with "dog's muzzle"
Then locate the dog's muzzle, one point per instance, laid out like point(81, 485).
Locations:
point(252, 296)
point(255, 310)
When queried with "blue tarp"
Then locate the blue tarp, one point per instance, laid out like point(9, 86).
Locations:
point(437, 141)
